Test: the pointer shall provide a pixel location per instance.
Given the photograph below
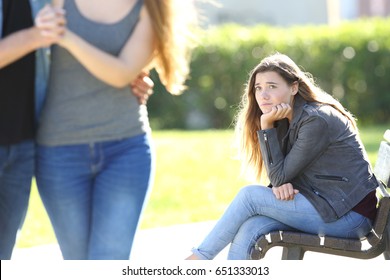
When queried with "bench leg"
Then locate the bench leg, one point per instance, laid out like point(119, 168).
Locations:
point(292, 253)
point(386, 253)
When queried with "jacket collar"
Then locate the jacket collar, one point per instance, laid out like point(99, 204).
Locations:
point(299, 104)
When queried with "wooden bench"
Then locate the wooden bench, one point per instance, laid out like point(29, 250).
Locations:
point(377, 242)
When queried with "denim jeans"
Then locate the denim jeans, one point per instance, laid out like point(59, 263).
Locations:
point(255, 211)
point(16, 171)
point(94, 194)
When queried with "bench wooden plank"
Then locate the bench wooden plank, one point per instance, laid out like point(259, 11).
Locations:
point(382, 164)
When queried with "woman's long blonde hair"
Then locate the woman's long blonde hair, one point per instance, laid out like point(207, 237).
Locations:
point(248, 117)
point(173, 24)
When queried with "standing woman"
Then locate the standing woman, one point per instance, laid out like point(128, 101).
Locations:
point(309, 147)
point(95, 160)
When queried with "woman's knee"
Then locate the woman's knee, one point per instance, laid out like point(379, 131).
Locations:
point(251, 191)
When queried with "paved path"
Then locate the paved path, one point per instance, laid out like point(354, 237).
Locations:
point(171, 243)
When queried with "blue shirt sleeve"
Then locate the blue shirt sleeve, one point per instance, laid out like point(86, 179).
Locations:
point(41, 65)
point(1, 18)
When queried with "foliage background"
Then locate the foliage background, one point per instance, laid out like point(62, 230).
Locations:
point(350, 61)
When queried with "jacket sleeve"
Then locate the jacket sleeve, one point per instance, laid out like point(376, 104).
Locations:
point(313, 138)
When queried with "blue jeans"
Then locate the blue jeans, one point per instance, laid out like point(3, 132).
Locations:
point(16, 171)
point(255, 211)
point(94, 195)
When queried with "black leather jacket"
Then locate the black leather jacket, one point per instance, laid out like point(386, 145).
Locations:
point(321, 155)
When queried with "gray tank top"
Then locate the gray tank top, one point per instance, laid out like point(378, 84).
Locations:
point(81, 108)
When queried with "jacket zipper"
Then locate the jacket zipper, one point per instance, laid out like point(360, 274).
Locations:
point(320, 195)
point(330, 177)
point(268, 148)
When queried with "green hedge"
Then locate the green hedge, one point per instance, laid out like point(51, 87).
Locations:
point(351, 61)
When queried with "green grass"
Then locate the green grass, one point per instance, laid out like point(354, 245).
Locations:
point(196, 178)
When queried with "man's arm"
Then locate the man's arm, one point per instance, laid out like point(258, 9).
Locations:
point(18, 44)
point(25, 41)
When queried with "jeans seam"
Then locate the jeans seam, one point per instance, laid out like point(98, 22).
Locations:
point(254, 238)
point(354, 230)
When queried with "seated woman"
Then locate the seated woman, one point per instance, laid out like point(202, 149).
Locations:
point(308, 145)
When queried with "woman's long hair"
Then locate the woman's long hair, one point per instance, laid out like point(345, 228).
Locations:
point(248, 117)
point(173, 24)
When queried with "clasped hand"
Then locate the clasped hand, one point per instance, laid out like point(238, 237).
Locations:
point(285, 192)
point(51, 23)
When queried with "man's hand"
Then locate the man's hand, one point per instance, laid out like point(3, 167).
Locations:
point(142, 87)
point(285, 192)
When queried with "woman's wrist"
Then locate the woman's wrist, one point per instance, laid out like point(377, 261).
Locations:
point(66, 39)
point(266, 125)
